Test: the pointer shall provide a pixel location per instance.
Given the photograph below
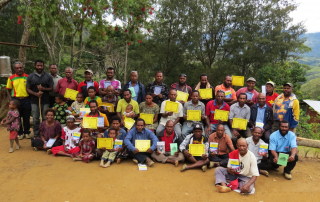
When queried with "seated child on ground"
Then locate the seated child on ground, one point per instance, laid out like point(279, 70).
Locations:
point(87, 147)
point(75, 107)
point(60, 108)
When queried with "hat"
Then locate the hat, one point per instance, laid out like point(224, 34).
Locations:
point(271, 83)
point(89, 70)
point(234, 184)
point(251, 79)
point(197, 126)
point(70, 118)
point(288, 84)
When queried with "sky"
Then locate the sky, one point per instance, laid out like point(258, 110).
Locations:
point(308, 12)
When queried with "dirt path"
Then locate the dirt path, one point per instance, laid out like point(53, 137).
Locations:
point(27, 175)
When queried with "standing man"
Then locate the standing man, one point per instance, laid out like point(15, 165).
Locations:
point(54, 73)
point(16, 86)
point(110, 80)
point(67, 82)
point(137, 86)
point(112, 99)
point(39, 84)
point(271, 95)
point(84, 85)
point(204, 84)
point(252, 94)
point(262, 117)
point(158, 89)
point(123, 103)
point(183, 87)
point(230, 94)
point(286, 107)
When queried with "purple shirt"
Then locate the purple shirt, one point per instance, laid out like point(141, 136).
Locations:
point(245, 90)
point(115, 83)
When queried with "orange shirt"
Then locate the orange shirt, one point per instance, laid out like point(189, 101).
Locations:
point(229, 93)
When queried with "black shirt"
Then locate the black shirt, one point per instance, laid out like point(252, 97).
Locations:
point(34, 80)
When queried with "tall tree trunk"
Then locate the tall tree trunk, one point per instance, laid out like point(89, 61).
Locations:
point(3, 3)
point(125, 66)
point(24, 40)
point(80, 50)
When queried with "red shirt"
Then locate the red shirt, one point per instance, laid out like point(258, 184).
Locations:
point(82, 88)
point(211, 108)
point(167, 140)
point(271, 98)
point(64, 83)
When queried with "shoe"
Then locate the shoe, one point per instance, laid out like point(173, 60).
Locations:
point(204, 168)
point(149, 162)
point(118, 160)
point(18, 147)
point(287, 176)
point(28, 136)
point(101, 163)
point(264, 172)
point(11, 150)
point(107, 164)
point(35, 148)
point(276, 169)
point(222, 189)
point(49, 151)
point(135, 161)
point(184, 167)
point(213, 164)
point(20, 137)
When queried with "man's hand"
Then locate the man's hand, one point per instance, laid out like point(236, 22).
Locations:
point(176, 153)
point(245, 188)
point(120, 149)
point(39, 94)
point(231, 171)
point(208, 130)
point(204, 156)
point(158, 153)
point(149, 150)
point(213, 154)
point(202, 117)
point(235, 133)
point(170, 113)
point(265, 155)
point(275, 160)
point(181, 101)
point(187, 154)
point(250, 102)
point(103, 149)
point(160, 95)
point(122, 122)
point(40, 88)
point(185, 117)
point(220, 122)
point(291, 158)
point(136, 151)
point(154, 95)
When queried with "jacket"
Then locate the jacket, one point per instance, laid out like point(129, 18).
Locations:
point(267, 120)
point(189, 139)
point(177, 139)
point(141, 94)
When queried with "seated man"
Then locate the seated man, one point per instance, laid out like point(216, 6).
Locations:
point(195, 138)
point(246, 174)
point(123, 103)
point(224, 145)
point(254, 143)
point(140, 133)
point(284, 141)
point(168, 136)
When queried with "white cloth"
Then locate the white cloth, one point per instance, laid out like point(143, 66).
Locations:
point(254, 148)
point(174, 116)
point(248, 165)
point(68, 136)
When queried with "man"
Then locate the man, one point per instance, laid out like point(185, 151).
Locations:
point(204, 84)
point(182, 86)
point(246, 174)
point(110, 98)
point(230, 94)
point(252, 94)
point(195, 138)
point(271, 95)
point(286, 107)
point(262, 116)
point(242, 111)
point(39, 84)
point(194, 104)
point(166, 116)
point(158, 89)
point(137, 86)
point(53, 71)
point(67, 82)
point(221, 157)
point(284, 141)
point(110, 80)
point(169, 136)
point(16, 86)
point(84, 85)
point(123, 103)
point(254, 143)
point(141, 133)
point(94, 112)
point(212, 106)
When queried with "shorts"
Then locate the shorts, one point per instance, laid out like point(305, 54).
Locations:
point(13, 134)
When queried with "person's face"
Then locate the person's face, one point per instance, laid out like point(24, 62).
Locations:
point(86, 137)
point(284, 128)
point(287, 90)
point(88, 76)
point(219, 97)
point(53, 69)
point(269, 88)
point(204, 80)
point(128, 109)
point(110, 91)
point(11, 105)
point(250, 85)
point(49, 116)
point(93, 107)
point(134, 77)
point(92, 93)
point(68, 73)
point(39, 67)
point(57, 100)
point(227, 82)
point(127, 96)
point(262, 99)
point(242, 99)
point(242, 146)
point(220, 131)
point(195, 97)
point(116, 124)
point(149, 99)
point(110, 74)
point(139, 126)
point(169, 127)
point(70, 124)
point(18, 69)
point(197, 133)
point(112, 134)
point(80, 98)
point(159, 77)
point(256, 134)
point(172, 95)
point(182, 80)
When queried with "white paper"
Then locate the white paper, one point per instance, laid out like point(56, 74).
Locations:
point(50, 142)
point(263, 89)
point(107, 83)
point(89, 84)
point(157, 90)
point(100, 121)
point(259, 124)
point(142, 166)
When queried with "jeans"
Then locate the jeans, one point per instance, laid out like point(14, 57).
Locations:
point(223, 159)
point(25, 113)
point(177, 129)
point(36, 117)
point(290, 165)
point(226, 129)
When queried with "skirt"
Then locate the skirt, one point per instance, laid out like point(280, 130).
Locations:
point(55, 150)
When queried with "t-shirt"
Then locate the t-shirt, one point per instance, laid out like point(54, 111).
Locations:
point(254, 92)
point(248, 163)
point(18, 85)
point(88, 99)
point(61, 112)
point(122, 104)
point(174, 116)
point(211, 108)
point(115, 83)
point(67, 136)
point(83, 88)
point(46, 81)
point(167, 140)
point(271, 98)
point(229, 93)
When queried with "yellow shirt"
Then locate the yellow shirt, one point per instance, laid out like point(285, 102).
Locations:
point(17, 85)
point(122, 104)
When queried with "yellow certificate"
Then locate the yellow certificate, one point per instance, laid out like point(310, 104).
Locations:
point(221, 115)
point(142, 145)
point(194, 115)
point(239, 123)
point(105, 142)
point(182, 96)
point(205, 93)
point(171, 107)
point(72, 94)
point(237, 80)
point(109, 106)
point(196, 149)
point(128, 122)
point(90, 122)
point(148, 118)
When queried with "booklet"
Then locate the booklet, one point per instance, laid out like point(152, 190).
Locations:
point(214, 147)
point(107, 83)
point(161, 147)
point(142, 166)
point(133, 93)
point(228, 94)
point(283, 159)
point(76, 137)
point(157, 90)
point(263, 149)
point(235, 164)
point(173, 148)
point(117, 144)
point(89, 84)
point(100, 121)
point(50, 142)
point(249, 95)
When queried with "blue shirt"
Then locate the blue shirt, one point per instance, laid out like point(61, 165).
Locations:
point(136, 90)
point(279, 143)
point(145, 134)
point(260, 114)
point(122, 134)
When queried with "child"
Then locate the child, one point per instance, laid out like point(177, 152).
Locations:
point(87, 146)
point(60, 108)
point(13, 123)
point(110, 154)
point(129, 111)
point(92, 96)
point(75, 107)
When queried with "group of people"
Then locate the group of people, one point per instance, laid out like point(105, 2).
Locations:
point(271, 119)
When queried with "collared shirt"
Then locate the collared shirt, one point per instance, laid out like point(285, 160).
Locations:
point(239, 112)
point(164, 92)
point(260, 114)
point(45, 80)
point(254, 92)
point(190, 106)
point(55, 83)
point(145, 134)
point(281, 143)
point(115, 83)
point(229, 92)
point(18, 85)
point(122, 104)
point(223, 143)
point(271, 98)
point(211, 108)
point(64, 83)
point(254, 148)
point(83, 88)
point(174, 116)
point(136, 90)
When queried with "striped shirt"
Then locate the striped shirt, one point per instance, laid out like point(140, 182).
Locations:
point(190, 106)
point(18, 85)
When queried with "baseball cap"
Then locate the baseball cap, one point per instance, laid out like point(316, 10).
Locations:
point(197, 126)
point(288, 84)
point(89, 70)
point(251, 79)
point(271, 83)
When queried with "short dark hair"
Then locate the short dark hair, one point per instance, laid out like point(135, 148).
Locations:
point(53, 64)
point(139, 119)
point(195, 91)
point(16, 102)
point(242, 94)
point(61, 97)
point(127, 90)
point(49, 110)
point(227, 76)
point(82, 93)
point(35, 62)
point(158, 72)
point(110, 129)
point(93, 101)
point(111, 68)
point(116, 118)
point(220, 91)
point(203, 74)
point(283, 121)
point(93, 88)
point(85, 131)
point(148, 93)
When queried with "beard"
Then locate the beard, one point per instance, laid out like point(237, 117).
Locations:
point(283, 132)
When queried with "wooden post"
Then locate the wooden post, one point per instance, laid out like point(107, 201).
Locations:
point(308, 142)
point(125, 65)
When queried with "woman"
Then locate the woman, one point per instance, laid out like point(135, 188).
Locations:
point(60, 108)
point(149, 107)
point(49, 129)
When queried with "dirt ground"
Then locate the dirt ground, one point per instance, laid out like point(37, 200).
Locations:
point(27, 175)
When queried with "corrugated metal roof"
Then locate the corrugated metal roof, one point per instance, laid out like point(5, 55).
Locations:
point(314, 104)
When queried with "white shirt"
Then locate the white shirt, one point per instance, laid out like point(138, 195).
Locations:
point(254, 148)
point(248, 165)
point(68, 137)
point(174, 116)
